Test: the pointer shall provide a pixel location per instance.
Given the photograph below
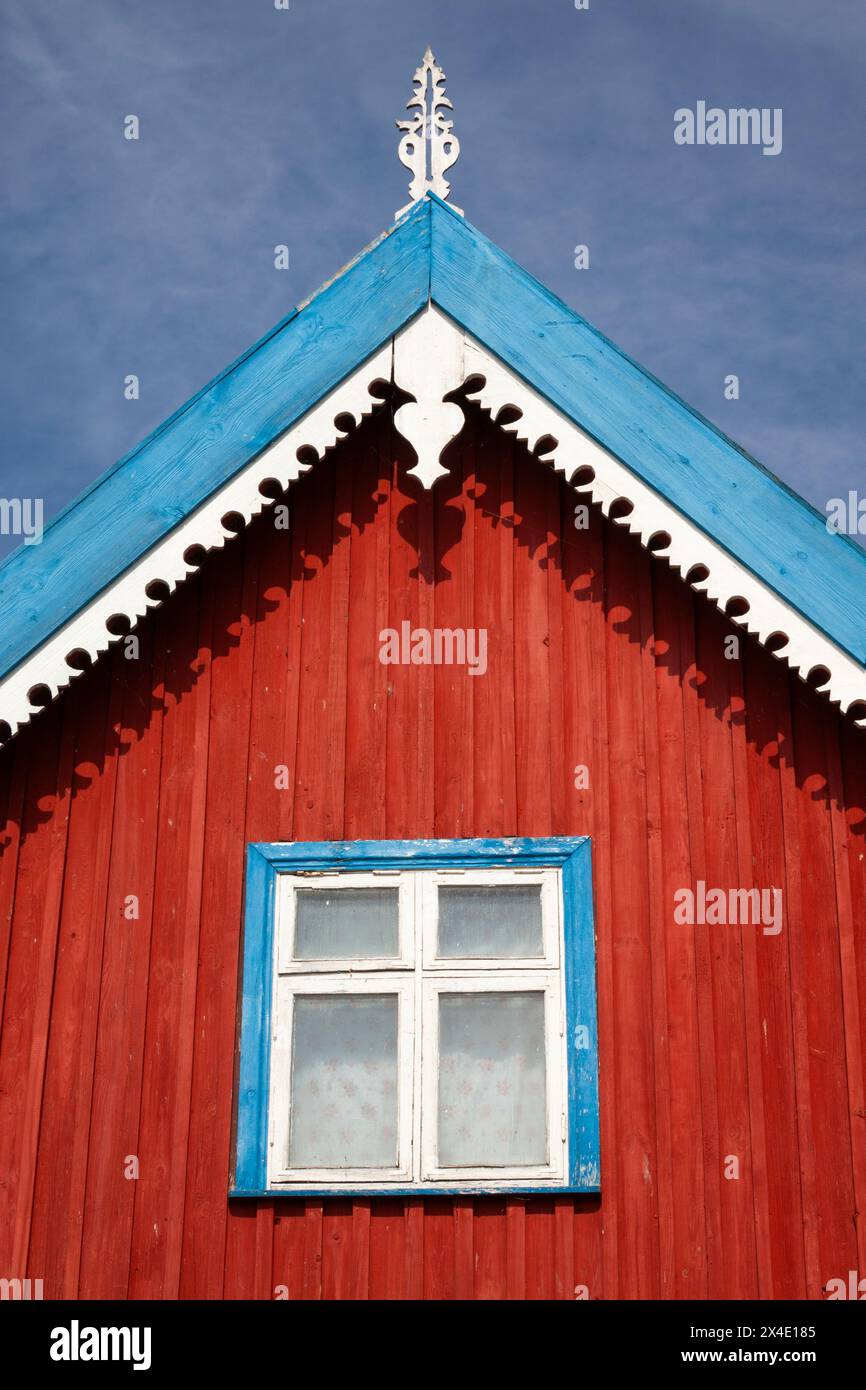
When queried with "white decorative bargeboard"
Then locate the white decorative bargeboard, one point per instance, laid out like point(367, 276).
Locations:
point(429, 359)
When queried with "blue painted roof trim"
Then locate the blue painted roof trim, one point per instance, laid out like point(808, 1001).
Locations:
point(199, 448)
point(433, 253)
point(743, 507)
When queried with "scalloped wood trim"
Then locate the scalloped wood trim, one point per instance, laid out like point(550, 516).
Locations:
point(430, 358)
point(48, 670)
point(598, 475)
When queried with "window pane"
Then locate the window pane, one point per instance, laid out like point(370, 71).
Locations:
point(346, 922)
point(344, 1081)
point(492, 1080)
point(482, 922)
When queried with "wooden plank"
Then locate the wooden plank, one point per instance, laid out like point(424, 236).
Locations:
point(673, 609)
point(288, 1251)
point(364, 801)
point(439, 1246)
point(261, 813)
point(532, 638)
point(708, 478)
point(387, 1250)
point(64, 1127)
point(722, 871)
point(588, 1253)
point(581, 574)
point(585, 746)
point(317, 803)
point(239, 1268)
point(766, 690)
point(100, 862)
point(124, 977)
point(270, 800)
point(853, 749)
point(313, 1223)
point(167, 1073)
point(494, 792)
point(561, 776)
point(851, 996)
point(796, 929)
point(414, 1248)
point(425, 823)
point(210, 438)
point(336, 706)
point(14, 762)
point(455, 751)
point(367, 703)
point(339, 627)
point(403, 793)
point(563, 1222)
point(337, 1250)
point(637, 1179)
point(753, 939)
point(694, 679)
point(318, 795)
point(540, 1249)
point(319, 798)
point(262, 1287)
point(489, 1242)
point(464, 1248)
point(531, 648)
point(30, 979)
point(361, 1210)
point(829, 1132)
point(660, 911)
point(234, 586)
point(515, 1239)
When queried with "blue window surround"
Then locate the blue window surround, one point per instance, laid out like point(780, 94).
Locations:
point(571, 855)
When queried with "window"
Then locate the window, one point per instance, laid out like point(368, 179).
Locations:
point(418, 1017)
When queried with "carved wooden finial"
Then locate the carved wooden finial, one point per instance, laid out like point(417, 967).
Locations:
point(429, 146)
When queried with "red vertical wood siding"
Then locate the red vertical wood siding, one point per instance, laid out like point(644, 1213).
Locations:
point(148, 777)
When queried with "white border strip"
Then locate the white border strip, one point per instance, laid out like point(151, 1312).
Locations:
point(547, 432)
point(128, 598)
point(651, 516)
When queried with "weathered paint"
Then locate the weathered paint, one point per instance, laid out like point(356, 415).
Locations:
point(151, 777)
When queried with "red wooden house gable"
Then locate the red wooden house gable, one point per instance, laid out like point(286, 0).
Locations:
point(147, 778)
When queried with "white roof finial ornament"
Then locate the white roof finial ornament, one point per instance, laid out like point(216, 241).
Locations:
point(428, 130)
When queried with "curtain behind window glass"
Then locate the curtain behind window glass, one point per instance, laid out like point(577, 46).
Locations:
point(346, 922)
point(492, 1080)
point(344, 1081)
point(487, 922)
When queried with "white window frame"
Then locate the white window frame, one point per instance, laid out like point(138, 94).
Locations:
point(418, 977)
point(287, 989)
point(502, 982)
point(386, 878)
point(551, 914)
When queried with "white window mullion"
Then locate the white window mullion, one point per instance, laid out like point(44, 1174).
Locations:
point(476, 983)
point(290, 886)
point(485, 882)
point(420, 907)
point(291, 990)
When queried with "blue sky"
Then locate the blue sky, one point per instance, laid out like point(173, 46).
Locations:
point(261, 126)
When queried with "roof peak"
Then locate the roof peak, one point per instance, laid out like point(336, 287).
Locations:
point(683, 478)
